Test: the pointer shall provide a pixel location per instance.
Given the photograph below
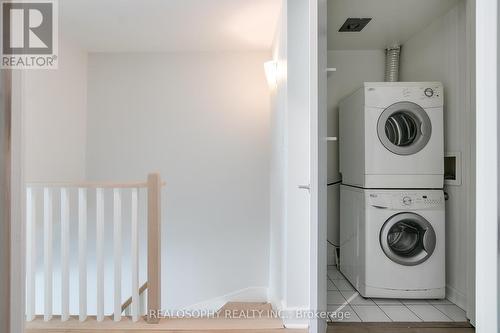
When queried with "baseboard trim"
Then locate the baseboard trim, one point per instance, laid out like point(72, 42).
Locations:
point(277, 304)
point(330, 255)
point(250, 294)
point(289, 317)
point(455, 296)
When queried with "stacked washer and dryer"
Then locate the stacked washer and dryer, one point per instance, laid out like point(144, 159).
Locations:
point(392, 206)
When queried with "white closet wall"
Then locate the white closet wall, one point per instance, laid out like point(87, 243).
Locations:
point(353, 68)
point(438, 53)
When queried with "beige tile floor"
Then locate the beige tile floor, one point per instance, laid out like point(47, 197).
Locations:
point(348, 306)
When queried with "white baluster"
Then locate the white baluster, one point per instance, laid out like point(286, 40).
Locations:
point(100, 252)
point(30, 254)
point(64, 254)
point(47, 252)
point(82, 252)
point(117, 251)
point(135, 256)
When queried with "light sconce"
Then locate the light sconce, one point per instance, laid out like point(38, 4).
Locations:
point(271, 70)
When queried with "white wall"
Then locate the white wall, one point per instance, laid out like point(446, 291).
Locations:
point(55, 107)
point(202, 121)
point(438, 53)
point(353, 68)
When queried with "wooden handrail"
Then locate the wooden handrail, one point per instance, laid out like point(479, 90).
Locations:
point(127, 303)
point(84, 184)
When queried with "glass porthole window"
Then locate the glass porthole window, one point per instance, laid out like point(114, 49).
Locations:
point(404, 128)
point(407, 239)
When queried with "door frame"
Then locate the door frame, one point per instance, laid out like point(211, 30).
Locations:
point(17, 204)
point(318, 160)
point(487, 168)
point(470, 131)
point(5, 132)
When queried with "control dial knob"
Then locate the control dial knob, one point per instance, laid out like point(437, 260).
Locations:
point(429, 92)
point(407, 201)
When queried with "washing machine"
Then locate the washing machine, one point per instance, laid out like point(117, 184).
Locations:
point(392, 242)
point(391, 135)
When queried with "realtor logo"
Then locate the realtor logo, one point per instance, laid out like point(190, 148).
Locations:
point(29, 34)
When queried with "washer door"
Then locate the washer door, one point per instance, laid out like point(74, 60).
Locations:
point(408, 239)
point(404, 128)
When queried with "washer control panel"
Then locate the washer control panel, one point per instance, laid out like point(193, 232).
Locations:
point(406, 200)
point(418, 199)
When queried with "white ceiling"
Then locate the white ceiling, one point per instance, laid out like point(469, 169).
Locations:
point(169, 25)
point(393, 21)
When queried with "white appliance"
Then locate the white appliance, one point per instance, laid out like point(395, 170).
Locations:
point(391, 136)
point(392, 242)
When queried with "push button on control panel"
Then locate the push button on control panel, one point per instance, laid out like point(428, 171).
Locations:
point(433, 202)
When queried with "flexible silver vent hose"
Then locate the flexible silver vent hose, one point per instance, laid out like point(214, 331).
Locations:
point(392, 63)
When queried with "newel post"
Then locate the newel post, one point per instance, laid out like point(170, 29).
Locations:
point(154, 248)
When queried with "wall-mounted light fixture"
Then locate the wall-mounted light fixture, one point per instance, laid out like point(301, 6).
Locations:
point(271, 70)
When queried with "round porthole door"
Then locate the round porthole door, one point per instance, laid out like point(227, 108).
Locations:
point(404, 128)
point(408, 239)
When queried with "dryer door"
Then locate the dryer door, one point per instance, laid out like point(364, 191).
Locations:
point(404, 128)
point(408, 239)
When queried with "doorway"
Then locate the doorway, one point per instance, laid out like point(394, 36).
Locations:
point(352, 58)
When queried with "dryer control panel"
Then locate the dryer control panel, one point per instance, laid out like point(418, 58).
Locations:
point(425, 94)
point(407, 200)
point(430, 92)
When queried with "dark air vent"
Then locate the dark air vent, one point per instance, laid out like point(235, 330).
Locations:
point(354, 24)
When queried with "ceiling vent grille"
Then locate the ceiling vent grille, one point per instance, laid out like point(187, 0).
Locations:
point(354, 24)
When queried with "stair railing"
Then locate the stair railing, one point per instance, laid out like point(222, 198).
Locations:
point(47, 191)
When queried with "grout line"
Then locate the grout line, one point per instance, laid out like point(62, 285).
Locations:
point(341, 306)
point(443, 313)
point(414, 312)
point(337, 289)
point(348, 303)
point(353, 309)
point(392, 320)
